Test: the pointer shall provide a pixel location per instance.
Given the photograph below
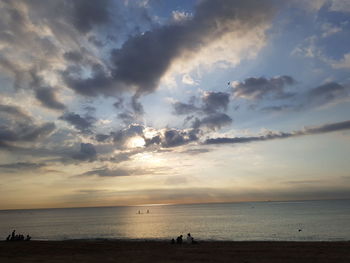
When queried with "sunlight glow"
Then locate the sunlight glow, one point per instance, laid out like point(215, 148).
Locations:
point(136, 142)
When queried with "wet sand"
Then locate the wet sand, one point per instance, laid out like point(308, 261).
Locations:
point(151, 251)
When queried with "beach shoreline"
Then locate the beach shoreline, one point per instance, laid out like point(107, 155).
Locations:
point(161, 251)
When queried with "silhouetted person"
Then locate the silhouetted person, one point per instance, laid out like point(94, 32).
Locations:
point(189, 238)
point(28, 238)
point(172, 241)
point(8, 238)
point(179, 240)
point(13, 235)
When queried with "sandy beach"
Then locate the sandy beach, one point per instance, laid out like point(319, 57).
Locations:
point(151, 251)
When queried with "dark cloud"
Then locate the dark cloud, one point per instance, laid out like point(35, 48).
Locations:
point(22, 166)
point(131, 112)
point(136, 105)
point(173, 138)
point(258, 88)
point(83, 15)
point(102, 137)
point(16, 125)
point(98, 83)
point(87, 153)
point(332, 127)
point(331, 92)
point(181, 108)
point(98, 43)
point(127, 117)
point(105, 172)
point(15, 112)
point(279, 108)
point(121, 171)
point(90, 110)
point(338, 126)
point(327, 93)
point(46, 95)
point(155, 140)
point(213, 121)
point(83, 124)
point(119, 103)
point(120, 137)
point(87, 14)
point(144, 58)
point(211, 104)
point(214, 101)
point(25, 133)
point(48, 98)
point(73, 56)
point(17, 73)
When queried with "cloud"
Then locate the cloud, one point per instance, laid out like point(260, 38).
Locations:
point(105, 172)
point(22, 166)
point(120, 138)
point(16, 125)
point(83, 124)
point(214, 101)
point(332, 127)
point(83, 15)
point(122, 171)
point(45, 94)
point(211, 105)
point(73, 56)
point(213, 121)
point(119, 103)
point(181, 108)
point(87, 14)
point(259, 88)
point(48, 98)
point(168, 138)
point(327, 93)
point(173, 138)
point(143, 59)
point(280, 108)
point(136, 105)
point(10, 67)
point(87, 152)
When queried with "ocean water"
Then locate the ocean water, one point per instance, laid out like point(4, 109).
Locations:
point(317, 220)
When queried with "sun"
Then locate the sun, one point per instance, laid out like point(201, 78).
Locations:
point(136, 142)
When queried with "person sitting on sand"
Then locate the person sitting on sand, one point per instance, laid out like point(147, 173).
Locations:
point(28, 238)
point(172, 241)
point(13, 235)
point(8, 238)
point(189, 238)
point(179, 240)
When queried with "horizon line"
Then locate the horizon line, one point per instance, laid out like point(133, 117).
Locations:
point(174, 204)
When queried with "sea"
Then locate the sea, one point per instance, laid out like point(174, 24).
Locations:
point(254, 221)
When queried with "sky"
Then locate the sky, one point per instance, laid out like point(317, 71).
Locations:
point(120, 102)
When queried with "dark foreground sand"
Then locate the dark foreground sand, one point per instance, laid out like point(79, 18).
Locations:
point(148, 251)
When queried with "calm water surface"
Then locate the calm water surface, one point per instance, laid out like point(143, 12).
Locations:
point(318, 220)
